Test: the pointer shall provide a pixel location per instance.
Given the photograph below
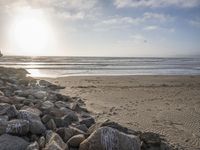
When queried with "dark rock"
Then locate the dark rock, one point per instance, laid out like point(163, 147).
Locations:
point(82, 127)
point(46, 118)
point(51, 125)
point(150, 140)
point(76, 140)
point(70, 118)
point(17, 127)
point(33, 146)
point(60, 104)
point(67, 133)
point(9, 142)
point(109, 138)
point(37, 127)
point(110, 124)
point(88, 121)
point(12, 112)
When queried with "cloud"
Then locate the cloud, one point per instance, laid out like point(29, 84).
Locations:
point(65, 9)
point(195, 22)
point(156, 3)
point(121, 22)
point(151, 28)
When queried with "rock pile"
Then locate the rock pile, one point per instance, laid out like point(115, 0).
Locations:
point(34, 115)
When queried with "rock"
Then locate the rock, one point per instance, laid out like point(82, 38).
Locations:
point(150, 140)
point(82, 127)
point(4, 118)
point(46, 118)
point(88, 121)
point(76, 140)
point(36, 126)
point(17, 127)
point(9, 142)
point(40, 94)
point(12, 112)
point(67, 133)
point(3, 126)
point(41, 142)
point(51, 125)
point(33, 146)
point(1, 93)
point(47, 105)
point(70, 118)
point(112, 139)
point(3, 108)
point(60, 104)
point(110, 124)
point(54, 141)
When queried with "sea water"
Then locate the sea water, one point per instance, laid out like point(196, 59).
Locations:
point(86, 66)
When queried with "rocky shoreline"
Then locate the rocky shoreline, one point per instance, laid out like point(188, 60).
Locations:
point(34, 115)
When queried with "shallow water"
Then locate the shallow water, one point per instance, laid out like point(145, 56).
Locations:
point(78, 66)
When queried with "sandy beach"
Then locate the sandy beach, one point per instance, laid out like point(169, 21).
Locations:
point(168, 105)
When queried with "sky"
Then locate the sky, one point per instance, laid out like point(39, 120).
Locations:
point(122, 28)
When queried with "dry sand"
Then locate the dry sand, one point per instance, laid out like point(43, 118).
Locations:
point(168, 105)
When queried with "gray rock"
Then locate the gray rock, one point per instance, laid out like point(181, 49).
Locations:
point(36, 126)
point(51, 125)
point(3, 108)
point(17, 127)
point(110, 124)
point(88, 121)
point(110, 139)
point(12, 112)
point(60, 104)
point(33, 146)
point(47, 105)
point(76, 140)
point(67, 133)
point(4, 118)
point(9, 142)
point(82, 127)
point(3, 126)
point(70, 118)
point(40, 94)
point(53, 140)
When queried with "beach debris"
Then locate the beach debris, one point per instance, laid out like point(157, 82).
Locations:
point(35, 116)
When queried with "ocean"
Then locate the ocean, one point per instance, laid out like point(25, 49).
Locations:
point(86, 66)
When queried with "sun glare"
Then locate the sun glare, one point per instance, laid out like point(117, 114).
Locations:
point(30, 32)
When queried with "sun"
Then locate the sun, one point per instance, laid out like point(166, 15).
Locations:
point(30, 32)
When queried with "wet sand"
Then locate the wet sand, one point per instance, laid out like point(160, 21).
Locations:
point(168, 105)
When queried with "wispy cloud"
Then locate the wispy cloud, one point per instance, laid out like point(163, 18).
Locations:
point(121, 22)
point(195, 22)
point(156, 3)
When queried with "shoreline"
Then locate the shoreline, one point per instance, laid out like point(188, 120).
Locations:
point(168, 105)
point(35, 115)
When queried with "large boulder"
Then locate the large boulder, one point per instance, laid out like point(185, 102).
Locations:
point(54, 141)
point(36, 126)
point(17, 127)
point(107, 138)
point(9, 142)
